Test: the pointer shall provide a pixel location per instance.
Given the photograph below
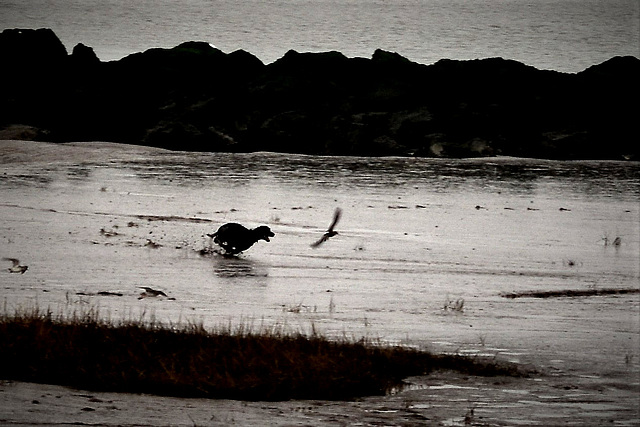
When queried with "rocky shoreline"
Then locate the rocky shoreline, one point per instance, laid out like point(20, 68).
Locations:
point(195, 97)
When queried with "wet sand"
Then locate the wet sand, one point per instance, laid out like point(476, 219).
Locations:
point(96, 220)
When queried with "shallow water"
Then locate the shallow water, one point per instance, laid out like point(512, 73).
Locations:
point(416, 235)
point(425, 250)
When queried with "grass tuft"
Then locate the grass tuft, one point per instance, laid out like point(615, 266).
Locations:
point(85, 352)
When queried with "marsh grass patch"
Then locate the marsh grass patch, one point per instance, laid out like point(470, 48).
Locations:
point(83, 351)
point(569, 293)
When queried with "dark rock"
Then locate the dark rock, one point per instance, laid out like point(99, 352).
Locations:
point(196, 97)
point(83, 56)
point(627, 67)
point(23, 48)
point(21, 132)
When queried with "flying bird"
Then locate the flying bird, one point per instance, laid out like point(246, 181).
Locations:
point(16, 267)
point(235, 238)
point(150, 293)
point(330, 231)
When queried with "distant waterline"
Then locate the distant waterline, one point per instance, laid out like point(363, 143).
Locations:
point(563, 35)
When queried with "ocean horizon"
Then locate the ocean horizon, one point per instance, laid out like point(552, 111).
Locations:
point(560, 35)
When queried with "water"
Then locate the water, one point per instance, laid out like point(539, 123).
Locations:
point(563, 35)
point(427, 248)
point(417, 236)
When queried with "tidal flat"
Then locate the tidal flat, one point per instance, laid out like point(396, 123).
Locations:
point(426, 252)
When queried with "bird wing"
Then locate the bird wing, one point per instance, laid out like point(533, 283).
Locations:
point(323, 239)
point(13, 260)
point(153, 291)
point(336, 217)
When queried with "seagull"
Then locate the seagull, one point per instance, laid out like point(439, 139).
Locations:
point(235, 238)
point(16, 267)
point(330, 232)
point(150, 292)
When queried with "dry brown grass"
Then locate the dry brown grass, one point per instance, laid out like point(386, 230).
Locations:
point(146, 357)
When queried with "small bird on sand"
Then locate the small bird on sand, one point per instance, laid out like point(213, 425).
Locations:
point(16, 267)
point(150, 293)
point(235, 238)
point(330, 231)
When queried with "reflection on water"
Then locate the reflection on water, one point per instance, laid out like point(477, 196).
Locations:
point(520, 176)
point(233, 266)
point(512, 175)
point(79, 172)
point(34, 179)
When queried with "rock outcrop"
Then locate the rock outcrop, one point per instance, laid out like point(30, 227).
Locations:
point(195, 97)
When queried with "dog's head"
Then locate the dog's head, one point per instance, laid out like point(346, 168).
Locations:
point(263, 233)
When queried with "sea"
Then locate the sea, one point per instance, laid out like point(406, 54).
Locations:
point(561, 35)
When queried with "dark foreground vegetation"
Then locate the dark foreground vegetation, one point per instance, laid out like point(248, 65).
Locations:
point(195, 97)
point(137, 357)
